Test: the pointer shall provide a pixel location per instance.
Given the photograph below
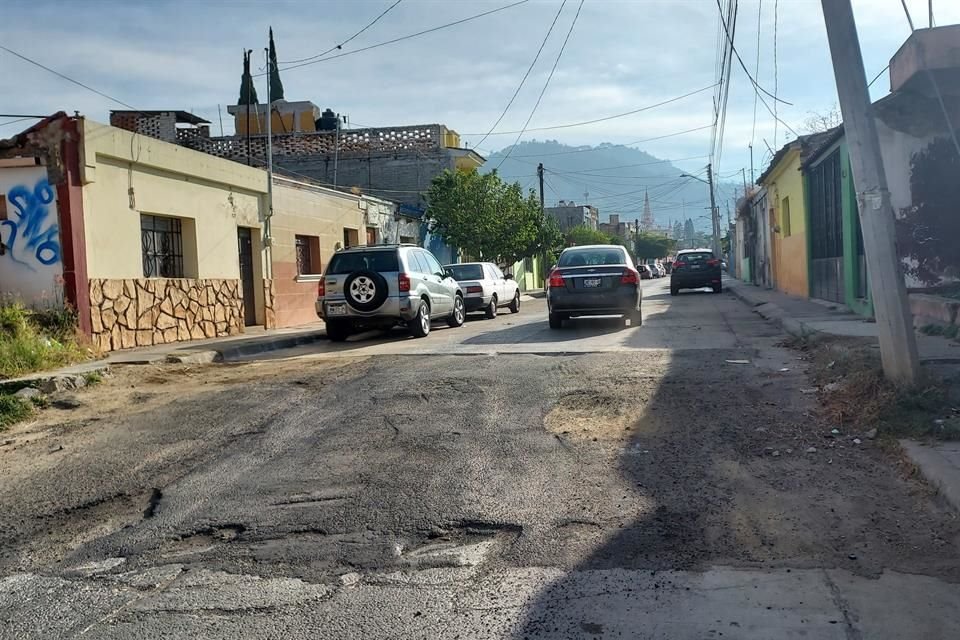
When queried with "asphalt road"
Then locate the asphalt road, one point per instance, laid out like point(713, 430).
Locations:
point(500, 480)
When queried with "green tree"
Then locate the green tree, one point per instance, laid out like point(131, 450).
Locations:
point(647, 246)
point(486, 218)
point(581, 235)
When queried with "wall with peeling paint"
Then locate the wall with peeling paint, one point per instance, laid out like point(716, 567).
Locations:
point(30, 266)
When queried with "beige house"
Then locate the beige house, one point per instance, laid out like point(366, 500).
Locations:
point(153, 243)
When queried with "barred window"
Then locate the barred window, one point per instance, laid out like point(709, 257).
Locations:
point(303, 255)
point(161, 240)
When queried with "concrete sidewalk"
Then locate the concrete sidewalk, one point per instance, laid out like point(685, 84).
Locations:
point(803, 317)
point(939, 462)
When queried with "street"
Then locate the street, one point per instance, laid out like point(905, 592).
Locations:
point(500, 480)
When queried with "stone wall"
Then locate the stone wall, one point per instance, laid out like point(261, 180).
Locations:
point(144, 312)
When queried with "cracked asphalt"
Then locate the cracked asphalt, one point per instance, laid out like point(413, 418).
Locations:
point(496, 481)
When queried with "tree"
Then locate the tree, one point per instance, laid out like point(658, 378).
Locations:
point(486, 218)
point(689, 233)
point(651, 246)
point(677, 230)
point(818, 122)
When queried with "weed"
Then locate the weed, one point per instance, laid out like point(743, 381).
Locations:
point(12, 410)
point(40, 402)
point(93, 377)
point(26, 346)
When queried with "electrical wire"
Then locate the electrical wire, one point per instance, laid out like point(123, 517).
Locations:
point(933, 82)
point(595, 120)
point(876, 77)
point(340, 46)
point(525, 75)
point(68, 78)
point(776, 71)
point(756, 72)
point(406, 37)
point(3, 124)
point(545, 84)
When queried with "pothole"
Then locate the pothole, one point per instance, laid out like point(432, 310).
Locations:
point(593, 415)
point(202, 541)
point(463, 544)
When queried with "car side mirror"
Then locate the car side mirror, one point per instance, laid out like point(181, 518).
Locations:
point(508, 276)
point(448, 273)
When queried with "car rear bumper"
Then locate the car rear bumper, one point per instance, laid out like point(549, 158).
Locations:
point(475, 302)
point(396, 308)
point(694, 280)
point(600, 303)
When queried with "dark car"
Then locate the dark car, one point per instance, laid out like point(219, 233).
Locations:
point(594, 280)
point(694, 269)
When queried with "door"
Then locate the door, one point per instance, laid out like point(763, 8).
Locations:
point(371, 236)
point(826, 231)
point(500, 284)
point(245, 240)
point(439, 287)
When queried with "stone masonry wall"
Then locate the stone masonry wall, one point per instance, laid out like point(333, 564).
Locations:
point(144, 312)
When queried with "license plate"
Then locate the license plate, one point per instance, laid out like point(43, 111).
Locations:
point(694, 267)
point(336, 309)
point(592, 282)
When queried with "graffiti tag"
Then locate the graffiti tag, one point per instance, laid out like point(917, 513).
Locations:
point(31, 235)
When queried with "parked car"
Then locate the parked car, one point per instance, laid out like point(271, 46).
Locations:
point(646, 272)
point(485, 287)
point(660, 270)
point(383, 286)
point(693, 269)
point(594, 280)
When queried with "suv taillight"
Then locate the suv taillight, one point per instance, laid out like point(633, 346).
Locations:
point(403, 282)
point(713, 263)
point(679, 264)
point(630, 277)
point(556, 279)
point(321, 288)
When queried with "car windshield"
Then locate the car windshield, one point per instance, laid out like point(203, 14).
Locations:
point(695, 257)
point(588, 257)
point(466, 271)
point(380, 261)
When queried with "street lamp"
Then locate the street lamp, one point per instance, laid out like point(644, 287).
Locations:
point(714, 213)
point(687, 175)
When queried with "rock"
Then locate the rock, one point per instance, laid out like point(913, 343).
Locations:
point(96, 322)
point(870, 435)
point(789, 451)
point(857, 441)
point(809, 390)
point(28, 392)
point(57, 384)
point(112, 289)
point(830, 388)
point(835, 432)
point(96, 293)
point(128, 338)
point(108, 318)
point(776, 454)
point(165, 321)
point(144, 338)
point(350, 579)
point(811, 449)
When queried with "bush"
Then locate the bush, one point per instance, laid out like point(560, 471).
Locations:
point(13, 409)
point(28, 344)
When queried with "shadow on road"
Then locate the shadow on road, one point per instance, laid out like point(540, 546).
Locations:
point(539, 332)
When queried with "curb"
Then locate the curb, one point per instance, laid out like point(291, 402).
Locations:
point(935, 469)
point(54, 382)
point(257, 347)
point(772, 312)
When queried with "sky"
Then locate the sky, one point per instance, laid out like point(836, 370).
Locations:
point(620, 56)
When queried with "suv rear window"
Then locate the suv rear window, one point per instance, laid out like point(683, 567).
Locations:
point(586, 257)
point(379, 261)
point(696, 256)
point(467, 271)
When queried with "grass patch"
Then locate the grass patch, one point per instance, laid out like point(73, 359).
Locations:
point(37, 340)
point(855, 395)
point(92, 378)
point(13, 410)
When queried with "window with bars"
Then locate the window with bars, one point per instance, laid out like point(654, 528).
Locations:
point(161, 241)
point(308, 255)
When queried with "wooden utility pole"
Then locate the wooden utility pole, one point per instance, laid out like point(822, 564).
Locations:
point(714, 213)
point(898, 344)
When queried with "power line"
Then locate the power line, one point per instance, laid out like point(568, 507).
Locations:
point(340, 46)
point(594, 121)
point(776, 71)
point(22, 119)
point(526, 75)
point(406, 37)
point(588, 172)
point(756, 72)
point(68, 78)
point(545, 84)
point(876, 77)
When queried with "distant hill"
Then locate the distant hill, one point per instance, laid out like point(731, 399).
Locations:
point(614, 176)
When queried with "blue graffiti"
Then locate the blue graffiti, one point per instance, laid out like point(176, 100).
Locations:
point(31, 227)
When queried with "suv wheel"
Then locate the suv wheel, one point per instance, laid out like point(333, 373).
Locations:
point(365, 290)
point(420, 325)
point(457, 317)
point(338, 330)
point(492, 307)
point(718, 288)
point(515, 303)
point(556, 321)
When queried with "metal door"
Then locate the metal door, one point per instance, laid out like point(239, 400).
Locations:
point(826, 230)
point(245, 241)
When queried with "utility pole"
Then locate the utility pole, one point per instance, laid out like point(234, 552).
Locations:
point(898, 344)
point(714, 212)
point(543, 215)
point(336, 152)
point(751, 165)
point(269, 152)
point(930, 5)
point(743, 172)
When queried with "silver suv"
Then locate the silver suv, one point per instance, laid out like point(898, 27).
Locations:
point(382, 286)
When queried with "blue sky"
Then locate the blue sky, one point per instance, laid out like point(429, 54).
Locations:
point(621, 56)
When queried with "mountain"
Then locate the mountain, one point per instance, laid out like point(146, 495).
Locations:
point(615, 179)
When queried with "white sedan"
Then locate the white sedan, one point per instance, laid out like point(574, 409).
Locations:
point(485, 287)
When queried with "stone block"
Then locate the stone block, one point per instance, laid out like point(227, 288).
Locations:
point(147, 320)
point(108, 320)
point(219, 313)
point(96, 322)
point(209, 329)
point(196, 332)
point(130, 316)
point(120, 304)
point(166, 306)
point(144, 338)
point(116, 337)
point(128, 338)
point(165, 321)
point(145, 300)
point(182, 332)
point(112, 289)
point(130, 289)
point(96, 293)
point(179, 312)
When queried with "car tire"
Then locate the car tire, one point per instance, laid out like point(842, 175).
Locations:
point(556, 321)
point(458, 315)
point(718, 288)
point(365, 290)
point(636, 318)
point(491, 309)
point(338, 330)
point(674, 290)
point(420, 325)
point(515, 303)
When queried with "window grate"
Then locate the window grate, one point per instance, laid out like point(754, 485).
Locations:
point(161, 241)
point(304, 265)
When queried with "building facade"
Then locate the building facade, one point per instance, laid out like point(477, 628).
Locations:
point(569, 215)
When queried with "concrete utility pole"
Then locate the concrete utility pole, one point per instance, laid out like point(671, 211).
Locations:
point(267, 235)
point(898, 344)
point(543, 214)
point(714, 213)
